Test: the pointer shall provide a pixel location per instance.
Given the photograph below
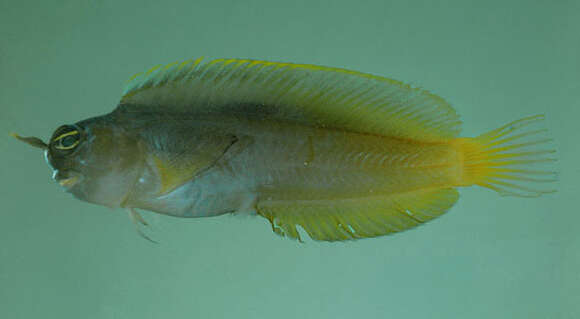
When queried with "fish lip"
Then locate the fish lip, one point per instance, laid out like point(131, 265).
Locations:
point(66, 179)
point(69, 182)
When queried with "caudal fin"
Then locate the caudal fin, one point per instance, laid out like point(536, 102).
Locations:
point(516, 159)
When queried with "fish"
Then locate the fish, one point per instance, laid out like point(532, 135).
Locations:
point(326, 152)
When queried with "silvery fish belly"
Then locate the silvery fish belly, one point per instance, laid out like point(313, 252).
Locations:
point(331, 153)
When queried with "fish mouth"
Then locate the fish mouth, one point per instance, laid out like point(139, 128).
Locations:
point(66, 179)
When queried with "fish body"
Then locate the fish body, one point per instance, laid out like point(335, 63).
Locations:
point(261, 159)
point(336, 153)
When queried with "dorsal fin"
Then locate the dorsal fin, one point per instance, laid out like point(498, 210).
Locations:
point(299, 93)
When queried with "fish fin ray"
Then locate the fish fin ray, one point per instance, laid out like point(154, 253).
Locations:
point(139, 222)
point(516, 159)
point(348, 219)
point(300, 93)
point(177, 167)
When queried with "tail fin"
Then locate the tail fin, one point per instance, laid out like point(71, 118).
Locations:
point(513, 160)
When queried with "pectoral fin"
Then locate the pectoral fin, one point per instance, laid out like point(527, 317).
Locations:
point(177, 168)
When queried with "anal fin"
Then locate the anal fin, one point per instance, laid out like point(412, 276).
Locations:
point(346, 219)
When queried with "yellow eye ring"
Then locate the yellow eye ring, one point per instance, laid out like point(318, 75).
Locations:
point(59, 141)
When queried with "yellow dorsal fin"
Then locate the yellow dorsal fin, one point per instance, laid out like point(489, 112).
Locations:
point(333, 220)
point(300, 93)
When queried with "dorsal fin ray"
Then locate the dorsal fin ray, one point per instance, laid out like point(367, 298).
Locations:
point(300, 93)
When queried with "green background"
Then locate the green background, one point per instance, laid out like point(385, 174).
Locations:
point(489, 257)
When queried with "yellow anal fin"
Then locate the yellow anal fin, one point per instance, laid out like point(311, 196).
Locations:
point(346, 219)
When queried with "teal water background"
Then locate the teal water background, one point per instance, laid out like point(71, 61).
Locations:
point(489, 257)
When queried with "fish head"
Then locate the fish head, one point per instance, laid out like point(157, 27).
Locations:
point(67, 152)
point(96, 163)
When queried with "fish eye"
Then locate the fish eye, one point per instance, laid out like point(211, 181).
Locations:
point(66, 137)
